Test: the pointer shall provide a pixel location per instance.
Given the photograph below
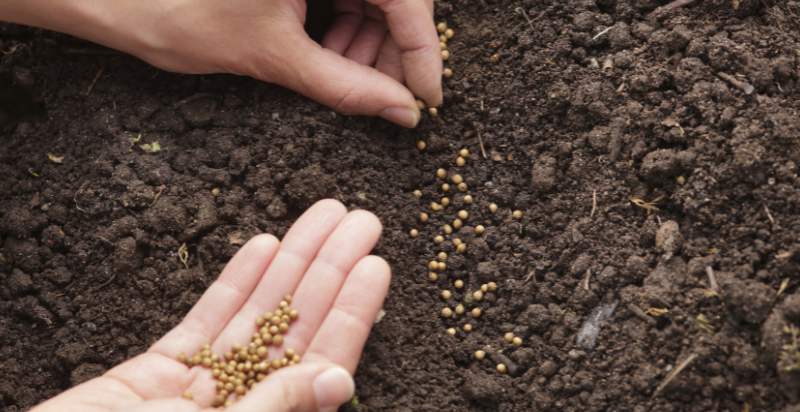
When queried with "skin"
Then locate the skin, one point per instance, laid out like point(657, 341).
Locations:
point(337, 288)
point(376, 57)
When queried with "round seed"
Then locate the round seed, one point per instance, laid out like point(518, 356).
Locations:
point(467, 327)
point(446, 294)
point(457, 224)
point(433, 276)
point(468, 199)
point(418, 193)
point(432, 110)
point(447, 313)
point(447, 72)
point(451, 331)
point(502, 368)
point(413, 232)
point(477, 295)
point(423, 217)
point(460, 161)
point(447, 229)
point(445, 187)
point(457, 241)
point(421, 145)
point(442, 266)
point(449, 33)
point(479, 354)
point(492, 207)
point(458, 283)
point(475, 312)
point(484, 288)
point(517, 214)
point(442, 256)
point(463, 214)
point(445, 201)
point(464, 152)
point(459, 309)
point(509, 337)
point(517, 341)
point(441, 27)
point(462, 187)
point(461, 248)
point(433, 265)
point(441, 173)
point(436, 207)
point(492, 286)
point(479, 229)
point(438, 239)
point(445, 55)
point(457, 179)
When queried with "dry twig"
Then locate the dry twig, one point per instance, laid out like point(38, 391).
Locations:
point(674, 373)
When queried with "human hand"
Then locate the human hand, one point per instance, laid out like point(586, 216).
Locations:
point(336, 288)
point(373, 50)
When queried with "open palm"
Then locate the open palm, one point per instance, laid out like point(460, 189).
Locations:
point(338, 289)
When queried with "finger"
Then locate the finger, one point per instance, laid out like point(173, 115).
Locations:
point(342, 335)
point(340, 83)
point(222, 300)
point(297, 250)
point(349, 14)
point(389, 61)
point(352, 240)
point(411, 25)
point(300, 388)
point(163, 405)
point(366, 44)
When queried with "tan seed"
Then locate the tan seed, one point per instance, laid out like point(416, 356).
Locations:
point(433, 111)
point(459, 309)
point(445, 201)
point(461, 248)
point(446, 294)
point(442, 256)
point(458, 283)
point(517, 341)
point(492, 286)
point(441, 173)
point(479, 229)
point(457, 179)
point(467, 327)
point(517, 214)
point(445, 55)
point(451, 331)
point(457, 224)
point(433, 276)
point(445, 187)
point(509, 337)
point(423, 217)
point(413, 232)
point(447, 72)
point(462, 187)
point(449, 33)
point(418, 193)
point(438, 239)
point(477, 295)
point(502, 368)
point(441, 27)
point(421, 145)
point(464, 152)
point(463, 214)
point(460, 161)
point(492, 207)
point(447, 229)
point(468, 199)
point(479, 354)
point(447, 313)
point(475, 312)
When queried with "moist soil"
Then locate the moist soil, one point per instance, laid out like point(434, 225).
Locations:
point(654, 153)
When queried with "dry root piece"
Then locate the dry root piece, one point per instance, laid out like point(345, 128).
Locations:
point(239, 369)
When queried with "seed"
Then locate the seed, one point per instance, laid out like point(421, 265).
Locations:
point(447, 229)
point(464, 152)
point(442, 256)
point(502, 368)
point(433, 277)
point(187, 395)
point(457, 179)
point(517, 341)
point(438, 239)
point(517, 214)
point(423, 217)
point(446, 294)
point(447, 72)
point(449, 33)
point(447, 313)
point(294, 314)
point(494, 58)
point(467, 327)
point(475, 312)
point(443, 39)
point(445, 201)
point(441, 173)
point(421, 145)
point(460, 161)
point(420, 104)
point(477, 295)
point(492, 286)
point(451, 331)
point(479, 354)
point(458, 283)
point(442, 266)
point(468, 199)
point(509, 337)
point(441, 27)
point(182, 358)
point(277, 340)
point(462, 187)
point(459, 309)
point(457, 224)
point(432, 110)
point(289, 353)
point(445, 55)
point(433, 265)
point(456, 242)
point(417, 193)
point(215, 192)
point(445, 187)
point(442, 44)
point(413, 232)
point(484, 288)
point(492, 207)
point(436, 207)
point(463, 214)
point(479, 229)
point(241, 390)
point(461, 248)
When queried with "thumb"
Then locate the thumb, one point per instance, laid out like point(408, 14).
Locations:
point(303, 387)
point(342, 84)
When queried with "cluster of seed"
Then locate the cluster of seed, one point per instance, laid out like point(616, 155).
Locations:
point(451, 189)
point(239, 369)
point(445, 34)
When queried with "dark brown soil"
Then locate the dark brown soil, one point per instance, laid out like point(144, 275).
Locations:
point(696, 108)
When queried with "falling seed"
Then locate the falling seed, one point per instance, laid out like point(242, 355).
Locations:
point(421, 145)
point(433, 111)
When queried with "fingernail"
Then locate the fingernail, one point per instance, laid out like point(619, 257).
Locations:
point(332, 388)
point(404, 116)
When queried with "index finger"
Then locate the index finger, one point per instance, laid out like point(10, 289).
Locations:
point(411, 25)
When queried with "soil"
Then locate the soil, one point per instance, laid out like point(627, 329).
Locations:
point(641, 155)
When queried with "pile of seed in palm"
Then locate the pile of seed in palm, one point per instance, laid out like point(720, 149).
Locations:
point(239, 369)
